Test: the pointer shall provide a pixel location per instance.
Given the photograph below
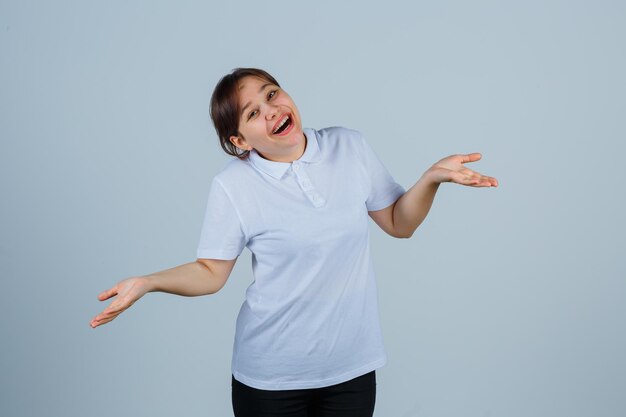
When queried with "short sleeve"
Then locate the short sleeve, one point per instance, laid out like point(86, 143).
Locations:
point(222, 235)
point(384, 190)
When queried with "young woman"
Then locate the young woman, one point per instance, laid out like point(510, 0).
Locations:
point(308, 337)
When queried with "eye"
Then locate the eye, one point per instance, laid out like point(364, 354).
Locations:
point(270, 95)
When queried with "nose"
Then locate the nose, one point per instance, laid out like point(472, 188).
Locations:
point(272, 112)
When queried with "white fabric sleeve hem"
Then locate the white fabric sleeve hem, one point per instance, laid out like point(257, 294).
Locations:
point(391, 198)
point(215, 254)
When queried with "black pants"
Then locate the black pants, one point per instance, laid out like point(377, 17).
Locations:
point(354, 398)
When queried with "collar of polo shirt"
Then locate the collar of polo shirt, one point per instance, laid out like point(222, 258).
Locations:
point(277, 169)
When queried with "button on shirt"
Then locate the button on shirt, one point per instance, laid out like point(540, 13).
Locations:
point(310, 317)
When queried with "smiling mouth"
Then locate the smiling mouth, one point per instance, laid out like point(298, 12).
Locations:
point(284, 126)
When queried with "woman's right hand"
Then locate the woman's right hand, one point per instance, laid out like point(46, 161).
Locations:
point(128, 291)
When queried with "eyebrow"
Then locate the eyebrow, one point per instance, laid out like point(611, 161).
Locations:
point(248, 103)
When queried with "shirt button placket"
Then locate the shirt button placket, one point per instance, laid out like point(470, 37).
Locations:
point(307, 187)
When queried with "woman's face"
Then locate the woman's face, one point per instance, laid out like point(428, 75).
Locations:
point(264, 106)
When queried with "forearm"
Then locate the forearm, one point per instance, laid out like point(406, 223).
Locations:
point(190, 280)
point(411, 209)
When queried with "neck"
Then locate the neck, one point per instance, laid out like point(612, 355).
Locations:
point(288, 159)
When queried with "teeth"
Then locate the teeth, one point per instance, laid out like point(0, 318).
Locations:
point(281, 123)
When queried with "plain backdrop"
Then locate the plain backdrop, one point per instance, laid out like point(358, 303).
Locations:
point(506, 301)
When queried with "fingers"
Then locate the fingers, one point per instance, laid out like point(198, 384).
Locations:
point(106, 316)
point(110, 313)
point(474, 179)
point(464, 179)
point(102, 318)
point(478, 179)
point(484, 181)
point(481, 181)
point(471, 157)
point(105, 295)
point(95, 323)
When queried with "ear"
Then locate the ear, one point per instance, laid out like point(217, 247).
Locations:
point(240, 143)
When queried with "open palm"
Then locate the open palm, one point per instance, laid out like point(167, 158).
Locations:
point(451, 169)
point(128, 291)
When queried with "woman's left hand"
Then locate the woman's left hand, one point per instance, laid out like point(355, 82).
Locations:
point(451, 169)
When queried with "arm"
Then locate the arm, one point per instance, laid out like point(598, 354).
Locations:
point(410, 210)
point(403, 217)
point(202, 277)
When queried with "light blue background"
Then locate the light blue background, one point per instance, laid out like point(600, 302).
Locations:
point(507, 301)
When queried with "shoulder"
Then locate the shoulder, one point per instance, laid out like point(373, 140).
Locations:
point(233, 174)
point(338, 138)
point(339, 132)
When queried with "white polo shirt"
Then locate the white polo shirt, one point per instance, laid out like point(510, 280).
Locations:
point(310, 318)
